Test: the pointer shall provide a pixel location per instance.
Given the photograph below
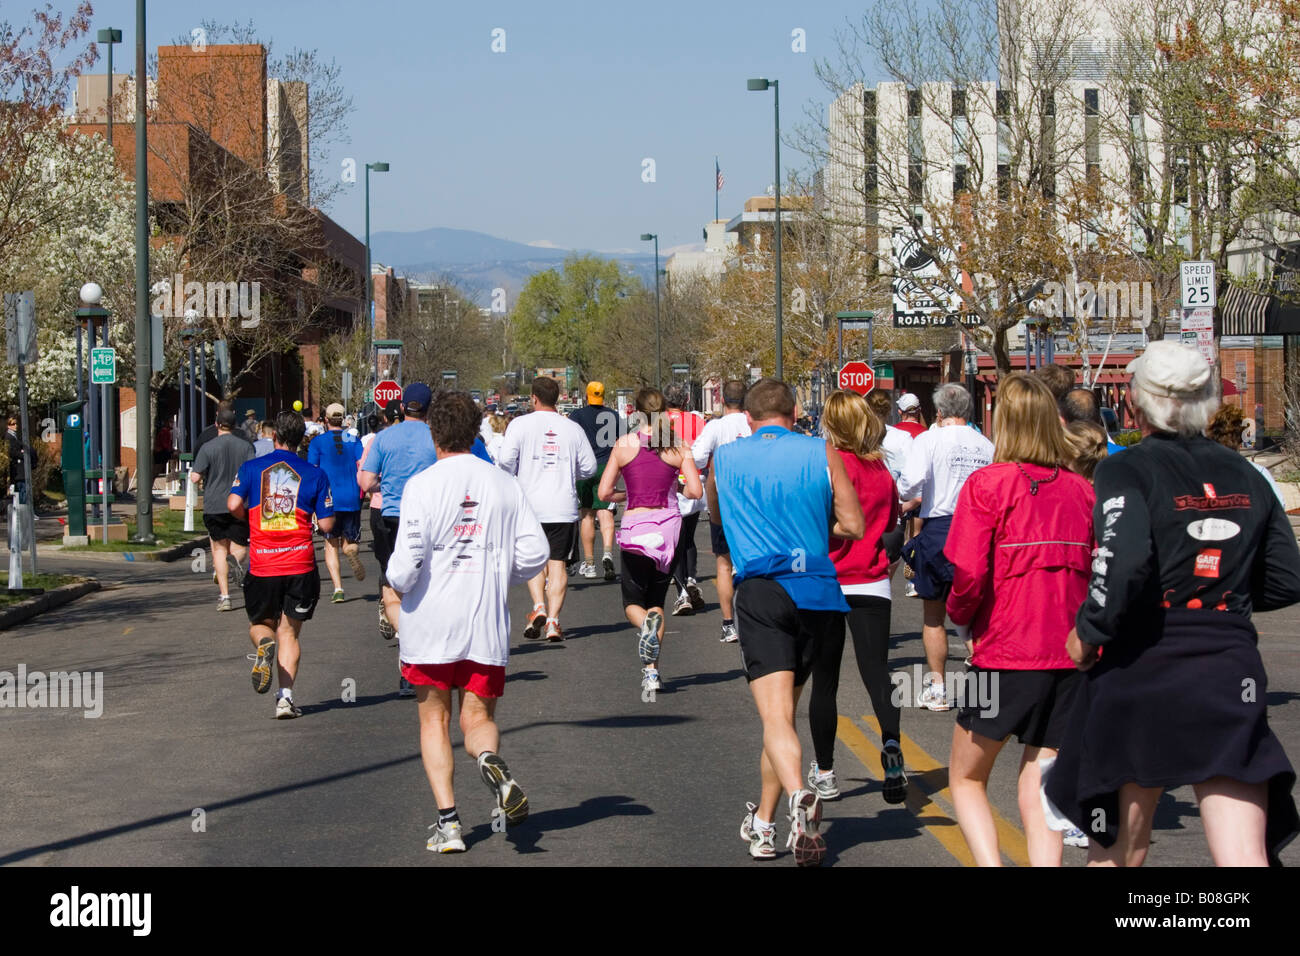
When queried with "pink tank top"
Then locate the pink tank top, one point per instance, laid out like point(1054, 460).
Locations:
point(649, 481)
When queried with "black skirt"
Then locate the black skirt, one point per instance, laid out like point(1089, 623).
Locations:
point(1180, 708)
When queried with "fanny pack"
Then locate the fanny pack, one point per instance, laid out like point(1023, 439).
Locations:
point(653, 534)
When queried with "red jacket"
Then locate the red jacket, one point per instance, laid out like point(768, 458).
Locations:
point(865, 561)
point(1021, 564)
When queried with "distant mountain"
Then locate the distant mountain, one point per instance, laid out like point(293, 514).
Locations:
point(479, 262)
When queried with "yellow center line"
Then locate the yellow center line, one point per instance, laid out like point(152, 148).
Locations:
point(936, 823)
point(1011, 841)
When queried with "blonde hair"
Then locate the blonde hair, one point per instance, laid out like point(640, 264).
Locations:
point(849, 424)
point(498, 423)
point(1088, 447)
point(1027, 423)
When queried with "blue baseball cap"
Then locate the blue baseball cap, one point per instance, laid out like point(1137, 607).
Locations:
point(417, 393)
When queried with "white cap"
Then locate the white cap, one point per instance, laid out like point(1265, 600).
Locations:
point(908, 402)
point(1171, 369)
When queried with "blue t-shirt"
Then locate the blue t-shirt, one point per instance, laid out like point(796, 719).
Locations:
point(398, 453)
point(338, 459)
point(774, 491)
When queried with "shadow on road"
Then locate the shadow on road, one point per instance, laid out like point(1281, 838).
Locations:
point(525, 837)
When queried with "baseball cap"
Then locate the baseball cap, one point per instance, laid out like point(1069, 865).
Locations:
point(334, 410)
point(595, 393)
point(417, 393)
point(908, 402)
point(1171, 369)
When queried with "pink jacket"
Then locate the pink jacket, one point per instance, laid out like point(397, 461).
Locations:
point(1021, 563)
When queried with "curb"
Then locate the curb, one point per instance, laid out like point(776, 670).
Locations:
point(172, 552)
point(26, 610)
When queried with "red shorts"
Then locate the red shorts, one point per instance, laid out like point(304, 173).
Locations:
point(482, 680)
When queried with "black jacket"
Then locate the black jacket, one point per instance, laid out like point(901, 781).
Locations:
point(1183, 523)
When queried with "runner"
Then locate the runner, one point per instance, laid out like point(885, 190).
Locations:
point(550, 455)
point(265, 443)
point(649, 460)
point(217, 463)
point(601, 427)
point(277, 494)
point(1058, 379)
point(397, 453)
point(776, 493)
point(862, 569)
point(467, 534)
point(687, 425)
point(392, 414)
point(339, 458)
point(722, 431)
point(940, 462)
point(1020, 545)
point(897, 445)
point(1190, 542)
point(910, 418)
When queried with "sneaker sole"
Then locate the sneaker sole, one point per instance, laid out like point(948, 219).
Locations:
point(536, 628)
point(287, 715)
point(263, 668)
point(694, 595)
point(386, 631)
point(824, 794)
point(510, 796)
point(895, 787)
point(610, 574)
point(458, 847)
point(648, 645)
point(683, 610)
point(809, 845)
point(358, 569)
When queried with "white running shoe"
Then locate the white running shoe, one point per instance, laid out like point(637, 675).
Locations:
point(911, 590)
point(286, 709)
point(223, 603)
point(805, 817)
point(762, 843)
point(933, 697)
point(823, 782)
point(587, 569)
point(683, 605)
point(1076, 837)
point(729, 634)
point(446, 838)
point(650, 679)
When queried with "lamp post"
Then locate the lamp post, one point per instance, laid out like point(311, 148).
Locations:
point(143, 324)
point(109, 36)
point(90, 312)
point(659, 356)
point(760, 85)
point(370, 318)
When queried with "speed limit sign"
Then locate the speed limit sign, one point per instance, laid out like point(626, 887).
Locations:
point(1197, 284)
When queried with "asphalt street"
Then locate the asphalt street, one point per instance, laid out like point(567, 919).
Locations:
point(186, 766)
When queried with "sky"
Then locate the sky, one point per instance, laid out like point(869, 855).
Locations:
point(543, 142)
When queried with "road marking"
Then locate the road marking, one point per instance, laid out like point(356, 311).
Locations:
point(936, 823)
point(127, 631)
point(1011, 841)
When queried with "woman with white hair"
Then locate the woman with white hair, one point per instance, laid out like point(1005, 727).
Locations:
point(1190, 540)
point(938, 465)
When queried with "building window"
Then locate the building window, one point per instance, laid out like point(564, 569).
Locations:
point(915, 146)
point(870, 183)
point(1048, 146)
point(1092, 138)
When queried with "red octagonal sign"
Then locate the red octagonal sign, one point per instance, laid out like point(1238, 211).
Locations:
point(857, 377)
point(386, 392)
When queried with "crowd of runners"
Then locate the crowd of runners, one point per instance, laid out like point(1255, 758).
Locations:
point(1090, 584)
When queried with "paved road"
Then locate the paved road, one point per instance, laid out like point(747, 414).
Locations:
point(612, 780)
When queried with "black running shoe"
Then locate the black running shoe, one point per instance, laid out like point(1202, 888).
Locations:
point(895, 789)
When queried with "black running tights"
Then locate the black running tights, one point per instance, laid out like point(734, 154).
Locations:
point(868, 622)
point(684, 561)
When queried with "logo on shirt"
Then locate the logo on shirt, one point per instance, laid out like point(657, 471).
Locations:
point(1207, 563)
point(280, 484)
point(1213, 529)
point(467, 530)
point(1210, 502)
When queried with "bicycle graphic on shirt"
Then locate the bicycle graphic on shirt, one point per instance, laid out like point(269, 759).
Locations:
point(280, 484)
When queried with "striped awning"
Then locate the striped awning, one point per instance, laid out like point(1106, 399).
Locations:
point(1242, 312)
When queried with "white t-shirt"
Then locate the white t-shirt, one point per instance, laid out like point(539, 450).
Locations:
point(550, 454)
point(719, 432)
point(897, 445)
point(466, 534)
point(939, 463)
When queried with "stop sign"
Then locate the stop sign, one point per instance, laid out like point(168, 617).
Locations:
point(386, 392)
point(857, 377)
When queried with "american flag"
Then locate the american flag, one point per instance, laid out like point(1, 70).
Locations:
point(721, 180)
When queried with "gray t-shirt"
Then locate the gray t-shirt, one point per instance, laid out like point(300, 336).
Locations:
point(218, 462)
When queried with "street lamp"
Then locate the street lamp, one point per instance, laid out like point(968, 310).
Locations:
point(92, 311)
point(110, 36)
point(759, 85)
point(379, 168)
point(143, 323)
point(659, 356)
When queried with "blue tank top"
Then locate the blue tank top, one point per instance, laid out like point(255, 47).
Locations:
point(774, 490)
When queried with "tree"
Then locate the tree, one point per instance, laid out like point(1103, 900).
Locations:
point(441, 328)
point(560, 316)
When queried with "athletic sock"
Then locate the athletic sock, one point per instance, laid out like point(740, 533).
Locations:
point(447, 816)
point(823, 772)
point(762, 824)
point(728, 621)
point(284, 692)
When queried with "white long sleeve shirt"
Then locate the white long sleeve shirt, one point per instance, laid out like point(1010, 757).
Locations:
point(550, 455)
point(466, 534)
point(939, 463)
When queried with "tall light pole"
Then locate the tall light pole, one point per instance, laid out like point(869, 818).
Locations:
point(659, 355)
point(759, 85)
point(143, 323)
point(109, 36)
point(370, 318)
